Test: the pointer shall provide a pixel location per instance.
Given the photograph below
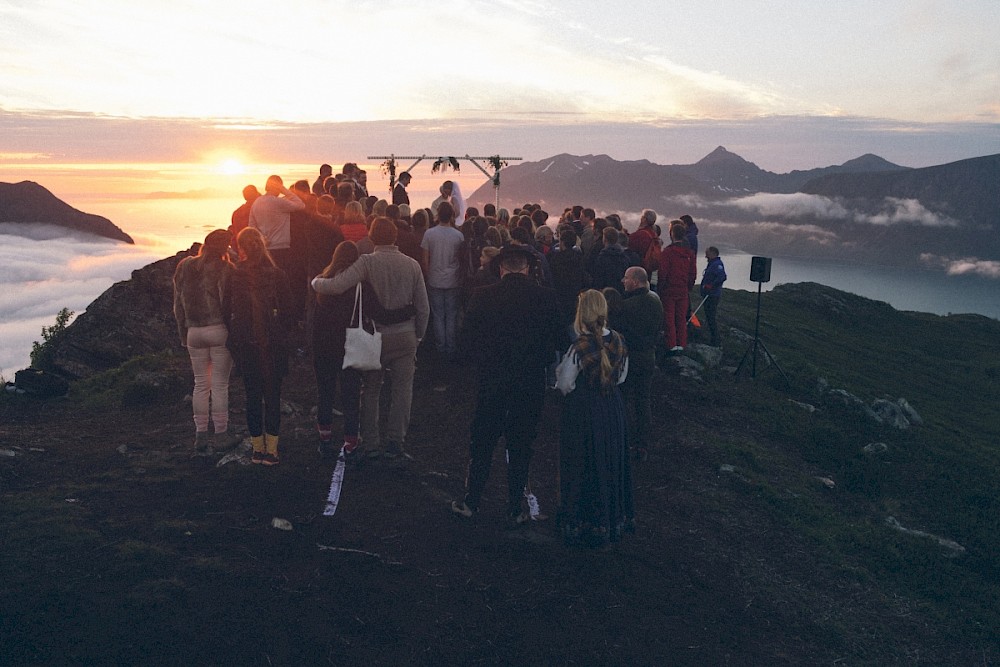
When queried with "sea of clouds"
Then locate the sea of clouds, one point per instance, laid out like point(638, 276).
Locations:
point(43, 270)
point(803, 206)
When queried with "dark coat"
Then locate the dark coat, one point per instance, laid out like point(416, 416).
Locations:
point(712, 279)
point(639, 319)
point(511, 329)
point(258, 314)
point(399, 194)
point(692, 237)
point(609, 268)
point(408, 243)
point(323, 236)
point(569, 276)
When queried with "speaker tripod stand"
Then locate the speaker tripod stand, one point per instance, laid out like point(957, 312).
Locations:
point(757, 342)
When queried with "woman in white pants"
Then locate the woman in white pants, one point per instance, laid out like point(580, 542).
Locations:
point(200, 284)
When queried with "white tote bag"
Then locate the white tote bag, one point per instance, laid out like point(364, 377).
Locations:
point(362, 350)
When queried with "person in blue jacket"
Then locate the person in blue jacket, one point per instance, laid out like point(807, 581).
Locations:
point(711, 288)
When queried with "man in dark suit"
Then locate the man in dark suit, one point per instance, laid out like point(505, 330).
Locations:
point(399, 194)
point(512, 329)
point(639, 319)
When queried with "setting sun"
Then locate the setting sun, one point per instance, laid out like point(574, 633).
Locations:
point(231, 167)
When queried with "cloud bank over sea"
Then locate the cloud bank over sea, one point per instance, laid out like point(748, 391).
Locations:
point(893, 211)
point(963, 266)
point(42, 270)
point(802, 207)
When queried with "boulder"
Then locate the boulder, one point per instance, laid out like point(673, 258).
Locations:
point(42, 384)
point(876, 448)
point(710, 356)
point(845, 397)
point(689, 367)
point(910, 413)
point(740, 335)
point(898, 414)
point(952, 547)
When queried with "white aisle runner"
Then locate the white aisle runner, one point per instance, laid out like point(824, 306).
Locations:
point(333, 498)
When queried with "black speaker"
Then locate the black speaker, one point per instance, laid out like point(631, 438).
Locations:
point(760, 269)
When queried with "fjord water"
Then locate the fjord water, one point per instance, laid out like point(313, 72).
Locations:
point(929, 291)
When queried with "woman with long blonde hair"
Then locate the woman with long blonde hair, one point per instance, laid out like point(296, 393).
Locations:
point(595, 475)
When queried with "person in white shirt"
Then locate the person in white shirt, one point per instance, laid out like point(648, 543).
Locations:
point(442, 249)
point(271, 216)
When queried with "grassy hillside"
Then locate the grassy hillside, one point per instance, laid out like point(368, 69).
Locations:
point(940, 477)
point(764, 534)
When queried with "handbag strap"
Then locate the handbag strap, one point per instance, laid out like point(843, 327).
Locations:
point(358, 307)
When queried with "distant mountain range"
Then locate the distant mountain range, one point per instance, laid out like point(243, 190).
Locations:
point(967, 191)
point(867, 209)
point(28, 202)
point(606, 183)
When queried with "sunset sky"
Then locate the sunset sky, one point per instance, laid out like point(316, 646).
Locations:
point(155, 114)
point(792, 84)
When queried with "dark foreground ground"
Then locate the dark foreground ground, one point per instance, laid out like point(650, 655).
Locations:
point(119, 547)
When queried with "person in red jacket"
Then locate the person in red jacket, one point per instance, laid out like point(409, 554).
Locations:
point(676, 278)
point(640, 239)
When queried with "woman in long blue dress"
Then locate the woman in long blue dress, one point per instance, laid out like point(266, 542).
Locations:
point(595, 476)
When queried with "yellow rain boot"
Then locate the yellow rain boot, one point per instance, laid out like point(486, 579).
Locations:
point(271, 447)
point(258, 448)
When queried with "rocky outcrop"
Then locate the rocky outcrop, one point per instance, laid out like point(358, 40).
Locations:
point(953, 548)
point(30, 203)
point(131, 318)
point(896, 413)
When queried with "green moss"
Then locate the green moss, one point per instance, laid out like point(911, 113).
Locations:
point(139, 382)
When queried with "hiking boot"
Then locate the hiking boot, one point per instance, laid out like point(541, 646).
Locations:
point(270, 457)
point(267, 458)
point(325, 447)
point(355, 457)
point(459, 508)
point(257, 442)
point(395, 456)
point(202, 442)
point(400, 460)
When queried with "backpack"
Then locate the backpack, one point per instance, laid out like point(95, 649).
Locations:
point(651, 261)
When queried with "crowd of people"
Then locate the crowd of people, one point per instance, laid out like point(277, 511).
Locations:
point(579, 304)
